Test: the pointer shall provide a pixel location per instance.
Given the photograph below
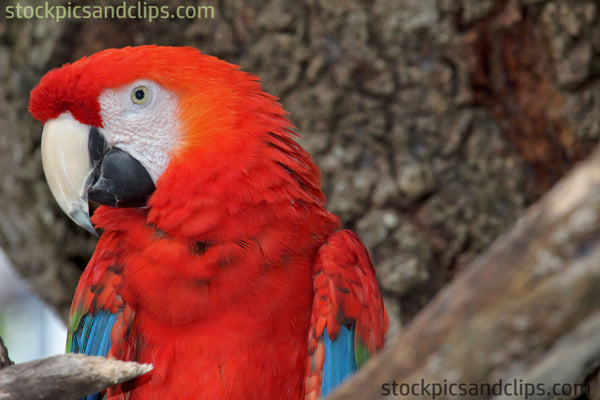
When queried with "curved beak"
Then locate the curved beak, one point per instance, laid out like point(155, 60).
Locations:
point(67, 166)
point(80, 165)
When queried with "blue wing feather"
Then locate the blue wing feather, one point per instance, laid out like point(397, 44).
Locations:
point(347, 303)
point(340, 361)
point(92, 337)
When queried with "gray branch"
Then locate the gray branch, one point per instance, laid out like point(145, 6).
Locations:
point(65, 377)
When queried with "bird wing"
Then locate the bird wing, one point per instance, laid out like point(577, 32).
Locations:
point(349, 321)
point(100, 322)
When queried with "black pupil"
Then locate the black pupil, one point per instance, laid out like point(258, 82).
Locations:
point(139, 94)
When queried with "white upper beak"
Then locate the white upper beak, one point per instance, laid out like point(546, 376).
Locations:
point(67, 166)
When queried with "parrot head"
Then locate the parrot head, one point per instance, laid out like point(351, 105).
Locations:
point(117, 124)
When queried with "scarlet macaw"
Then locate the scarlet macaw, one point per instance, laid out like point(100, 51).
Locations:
point(218, 263)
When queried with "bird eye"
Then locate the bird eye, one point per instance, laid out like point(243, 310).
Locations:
point(139, 95)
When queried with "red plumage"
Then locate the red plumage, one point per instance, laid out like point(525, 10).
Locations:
point(215, 280)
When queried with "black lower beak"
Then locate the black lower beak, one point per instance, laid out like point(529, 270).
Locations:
point(118, 179)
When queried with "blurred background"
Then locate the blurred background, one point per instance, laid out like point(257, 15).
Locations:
point(435, 123)
point(29, 327)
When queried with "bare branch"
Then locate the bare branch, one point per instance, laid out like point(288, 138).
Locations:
point(65, 377)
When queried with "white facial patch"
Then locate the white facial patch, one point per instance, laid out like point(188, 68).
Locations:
point(141, 118)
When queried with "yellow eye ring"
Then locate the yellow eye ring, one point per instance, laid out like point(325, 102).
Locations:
point(140, 95)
